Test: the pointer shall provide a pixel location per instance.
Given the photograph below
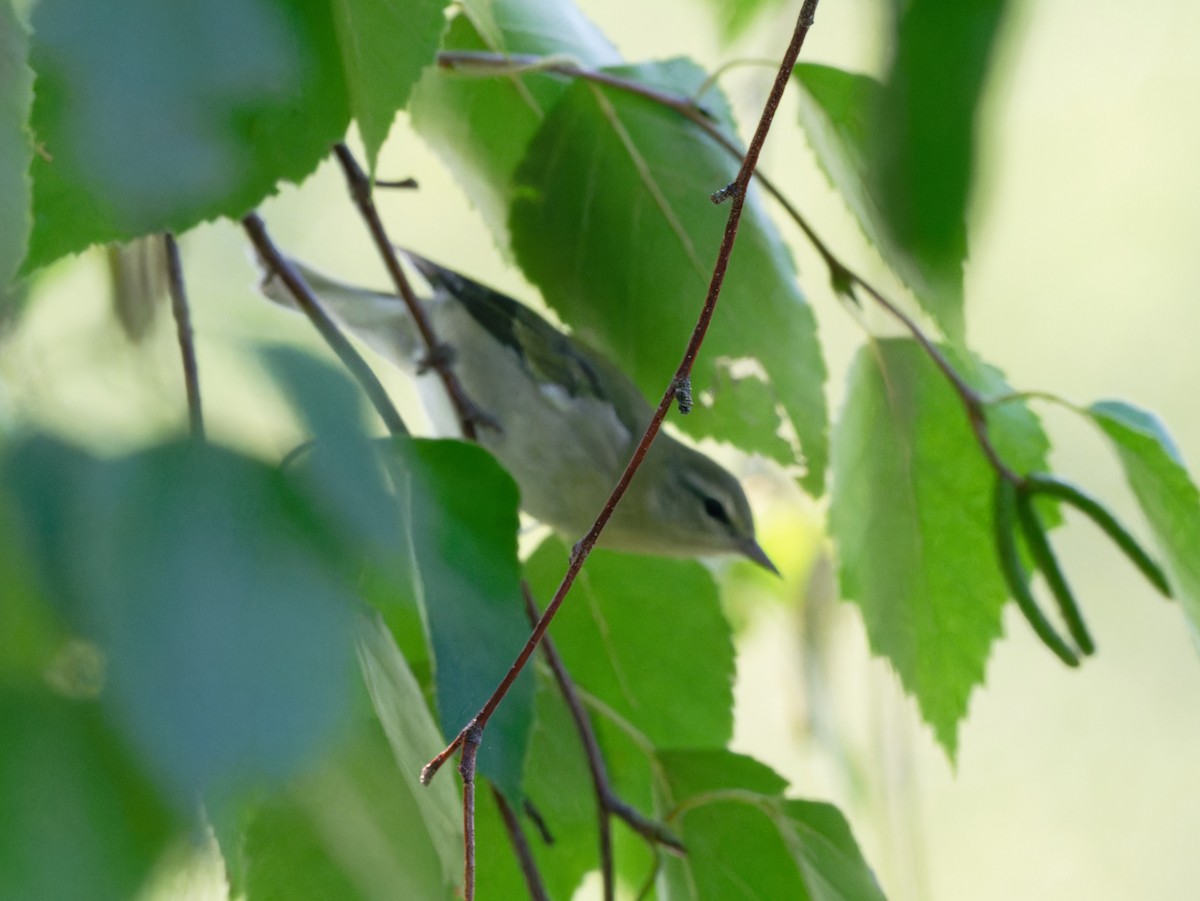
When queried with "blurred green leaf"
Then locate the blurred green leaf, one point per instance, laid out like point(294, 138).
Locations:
point(621, 240)
point(354, 829)
point(459, 535)
point(81, 820)
point(835, 111)
point(735, 16)
point(481, 126)
point(745, 841)
point(212, 104)
point(623, 615)
point(923, 136)
point(1164, 490)
point(414, 738)
point(205, 580)
point(911, 513)
point(343, 468)
point(16, 148)
point(385, 44)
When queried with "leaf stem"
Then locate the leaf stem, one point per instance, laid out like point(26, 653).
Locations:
point(277, 264)
point(183, 329)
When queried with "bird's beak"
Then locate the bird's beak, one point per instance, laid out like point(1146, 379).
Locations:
point(750, 549)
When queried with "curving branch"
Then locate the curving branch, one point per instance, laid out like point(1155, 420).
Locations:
point(469, 737)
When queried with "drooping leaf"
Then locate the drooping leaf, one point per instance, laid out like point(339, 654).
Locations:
point(16, 148)
point(1165, 491)
point(459, 533)
point(81, 819)
point(621, 238)
point(480, 126)
point(745, 841)
point(911, 512)
point(204, 579)
point(414, 738)
point(385, 44)
point(923, 136)
point(355, 829)
point(835, 112)
point(623, 615)
point(212, 104)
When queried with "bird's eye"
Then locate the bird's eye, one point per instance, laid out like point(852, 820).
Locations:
point(716, 510)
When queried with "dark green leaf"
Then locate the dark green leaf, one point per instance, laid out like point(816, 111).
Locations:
point(385, 44)
point(621, 239)
point(835, 111)
point(211, 105)
point(16, 149)
point(923, 136)
point(647, 637)
point(342, 469)
point(481, 126)
point(1164, 489)
point(81, 820)
point(459, 526)
point(913, 519)
point(204, 579)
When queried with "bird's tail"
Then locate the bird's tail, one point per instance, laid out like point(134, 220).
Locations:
point(379, 319)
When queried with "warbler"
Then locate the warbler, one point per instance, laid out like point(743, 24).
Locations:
point(559, 416)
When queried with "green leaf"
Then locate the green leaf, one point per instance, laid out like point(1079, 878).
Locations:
point(354, 829)
point(414, 738)
point(343, 469)
point(205, 580)
point(612, 630)
point(16, 149)
point(923, 134)
point(745, 841)
point(911, 512)
point(835, 112)
point(621, 239)
point(1165, 491)
point(385, 44)
point(735, 16)
point(210, 106)
point(459, 527)
point(80, 818)
point(481, 126)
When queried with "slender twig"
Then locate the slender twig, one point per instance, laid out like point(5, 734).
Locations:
point(516, 835)
point(579, 554)
point(279, 266)
point(693, 111)
point(183, 329)
point(607, 803)
point(409, 184)
point(436, 358)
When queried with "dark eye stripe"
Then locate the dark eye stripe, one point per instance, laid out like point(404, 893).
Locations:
point(716, 510)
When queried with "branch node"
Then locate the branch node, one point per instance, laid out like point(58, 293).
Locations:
point(439, 357)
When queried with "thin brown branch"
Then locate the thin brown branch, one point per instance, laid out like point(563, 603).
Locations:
point(279, 265)
point(516, 835)
point(436, 358)
point(579, 554)
point(608, 804)
point(187, 340)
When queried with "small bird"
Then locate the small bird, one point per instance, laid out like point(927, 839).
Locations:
point(563, 420)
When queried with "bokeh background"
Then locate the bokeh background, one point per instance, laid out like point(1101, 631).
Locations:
point(1083, 281)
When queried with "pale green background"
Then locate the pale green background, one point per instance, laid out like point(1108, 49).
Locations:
point(1084, 279)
